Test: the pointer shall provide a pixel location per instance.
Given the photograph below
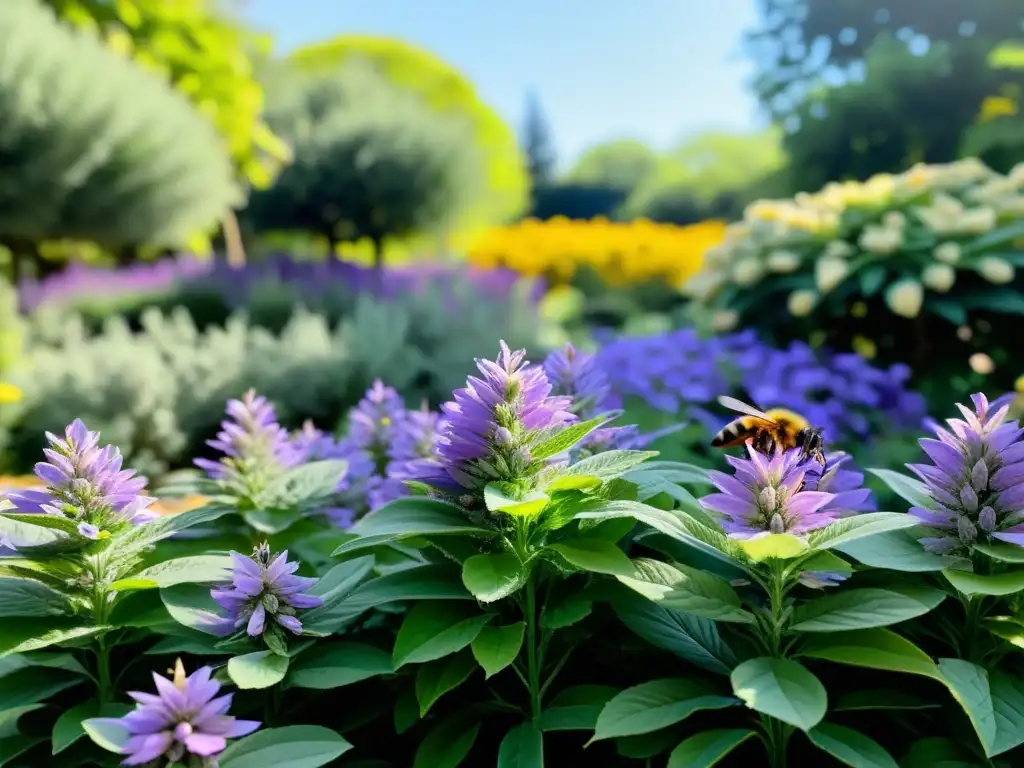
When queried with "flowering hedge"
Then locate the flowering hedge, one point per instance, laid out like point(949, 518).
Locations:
point(853, 263)
point(542, 584)
point(619, 252)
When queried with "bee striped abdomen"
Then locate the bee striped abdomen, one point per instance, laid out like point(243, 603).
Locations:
point(737, 432)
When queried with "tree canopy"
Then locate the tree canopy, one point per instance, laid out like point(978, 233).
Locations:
point(83, 162)
point(371, 160)
point(448, 92)
point(622, 164)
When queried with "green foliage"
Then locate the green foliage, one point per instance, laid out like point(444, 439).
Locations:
point(205, 55)
point(622, 165)
point(540, 154)
point(11, 331)
point(84, 162)
point(449, 93)
point(371, 160)
point(160, 393)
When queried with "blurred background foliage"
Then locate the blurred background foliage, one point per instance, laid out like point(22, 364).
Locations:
point(188, 214)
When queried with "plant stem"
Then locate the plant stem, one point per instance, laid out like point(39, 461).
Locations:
point(103, 670)
point(532, 660)
point(99, 617)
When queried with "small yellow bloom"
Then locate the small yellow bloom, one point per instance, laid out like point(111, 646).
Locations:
point(830, 272)
point(996, 270)
point(948, 253)
point(801, 303)
point(894, 220)
point(905, 297)
point(938, 277)
point(880, 239)
point(981, 363)
point(9, 393)
point(865, 347)
point(977, 220)
point(747, 271)
point(838, 249)
point(724, 320)
point(783, 261)
point(859, 309)
point(1018, 385)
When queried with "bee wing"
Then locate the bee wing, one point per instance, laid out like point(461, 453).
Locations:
point(738, 405)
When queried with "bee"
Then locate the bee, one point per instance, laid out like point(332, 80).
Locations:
point(771, 429)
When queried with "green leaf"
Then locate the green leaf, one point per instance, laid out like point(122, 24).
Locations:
point(872, 648)
point(774, 546)
point(334, 586)
point(565, 439)
point(9, 717)
point(781, 688)
point(492, 577)
point(31, 538)
point(996, 236)
point(197, 644)
point(69, 726)
point(527, 505)
point(434, 581)
point(261, 669)
point(849, 529)
point(200, 569)
point(1007, 693)
point(497, 647)
point(850, 747)
point(1000, 584)
point(707, 748)
point(607, 465)
point(655, 705)
point(293, 746)
point(565, 612)
point(271, 522)
point(970, 687)
point(165, 526)
point(407, 518)
point(336, 665)
point(938, 753)
point(950, 311)
point(595, 555)
point(26, 597)
point(433, 630)
point(910, 489)
point(688, 590)
point(191, 606)
point(1006, 553)
point(895, 551)
point(692, 638)
point(307, 482)
point(855, 701)
point(448, 742)
point(576, 708)
point(15, 746)
point(32, 634)
point(522, 747)
point(45, 659)
point(436, 678)
point(865, 608)
point(107, 733)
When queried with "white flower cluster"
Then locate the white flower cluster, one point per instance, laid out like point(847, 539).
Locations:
point(936, 215)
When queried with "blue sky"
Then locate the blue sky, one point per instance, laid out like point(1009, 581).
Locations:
point(656, 70)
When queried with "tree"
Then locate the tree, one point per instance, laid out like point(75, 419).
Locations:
point(372, 160)
point(540, 154)
point(620, 165)
point(445, 91)
point(93, 148)
point(908, 108)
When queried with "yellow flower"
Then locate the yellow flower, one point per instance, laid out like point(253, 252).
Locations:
point(783, 261)
point(1018, 385)
point(880, 239)
point(9, 393)
point(839, 248)
point(830, 272)
point(938, 277)
point(977, 220)
point(981, 363)
point(801, 303)
point(865, 347)
point(948, 253)
point(996, 270)
point(905, 297)
point(747, 271)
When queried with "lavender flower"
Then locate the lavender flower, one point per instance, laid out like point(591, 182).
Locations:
point(254, 446)
point(491, 422)
point(263, 589)
point(976, 482)
point(185, 717)
point(850, 497)
point(766, 496)
point(85, 483)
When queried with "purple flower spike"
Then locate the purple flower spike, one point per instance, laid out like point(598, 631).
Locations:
point(975, 480)
point(491, 421)
point(185, 717)
point(766, 495)
point(85, 482)
point(262, 591)
point(846, 485)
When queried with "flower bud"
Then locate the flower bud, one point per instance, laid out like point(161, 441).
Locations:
point(724, 320)
point(783, 261)
point(502, 436)
point(830, 272)
point(948, 253)
point(894, 220)
point(938, 277)
point(747, 271)
point(966, 530)
point(768, 498)
point(801, 303)
point(881, 240)
point(996, 270)
point(987, 519)
point(838, 249)
point(979, 475)
point(270, 602)
point(777, 524)
point(905, 297)
point(969, 498)
point(977, 220)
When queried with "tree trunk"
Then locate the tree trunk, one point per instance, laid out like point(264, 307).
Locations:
point(378, 263)
point(233, 245)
